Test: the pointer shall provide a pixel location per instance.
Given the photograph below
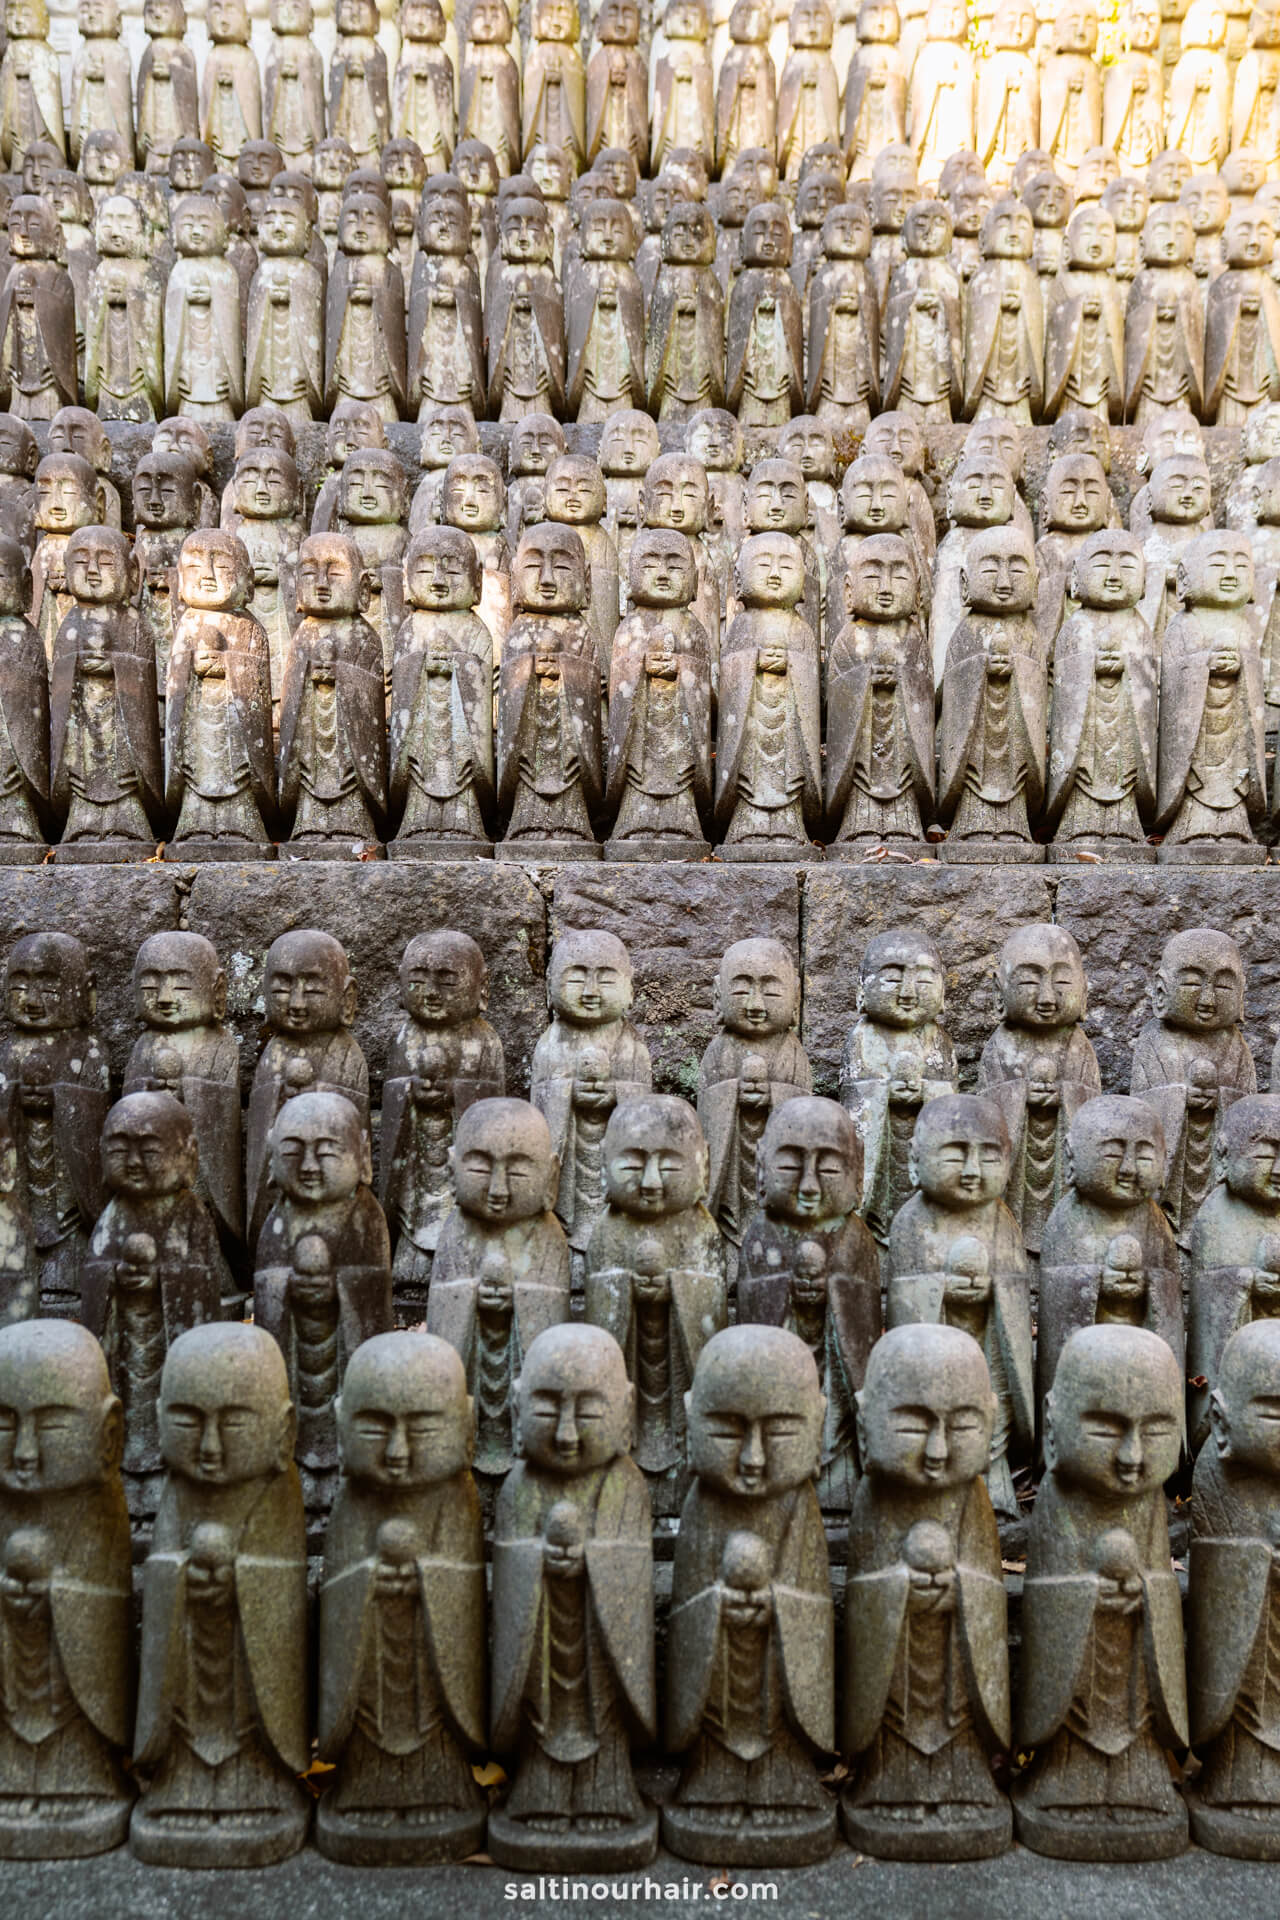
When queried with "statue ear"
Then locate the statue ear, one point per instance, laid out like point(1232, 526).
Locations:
point(1050, 1445)
point(1180, 583)
point(964, 585)
point(913, 1165)
point(220, 995)
point(112, 1435)
point(350, 1001)
point(848, 594)
point(1068, 1162)
point(1160, 994)
point(288, 1436)
point(1220, 1425)
point(860, 1430)
point(366, 589)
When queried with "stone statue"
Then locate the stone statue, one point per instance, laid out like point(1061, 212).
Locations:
point(219, 766)
point(524, 316)
point(1104, 1692)
point(925, 1651)
point(489, 85)
point(230, 85)
point(448, 432)
point(168, 103)
point(1206, 200)
point(359, 92)
point(617, 84)
point(764, 364)
point(923, 364)
point(1255, 111)
point(685, 344)
point(808, 89)
point(1075, 503)
point(68, 498)
point(1084, 322)
point(500, 1276)
point(264, 511)
point(941, 96)
point(444, 1058)
point(203, 331)
point(1198, 110)
point(446, 367)
point(1007, 115)
point(124, 367)
point(676, 497)
point(284, 345)
point(293, 93)
point(1176, 506)
point(875, 99)
point(1108, 1256)
point(188, 438)
point(808, 1264)
point(1233, 1278)
point(1164, 321)
point(423, 104)
point(536, 440)
point(1242, 324)
point(991, 763)
point(629, 445)
point(371, 511)
point(322, 1270)
point(604, 317)
point(19, 457)
point(37, 309)
point(24, 717)
point(1211, 764)
point(553, 83)
point(331, 163)
point(1004, 321)
point(1071, 89)
point(1125, 200)
point(681, 87)
point(1133, 93)
point(572, 1583)
point(746, 85)
point(751, 1641)
point(364, 350)
point(658, 776)
point(65, 1599)
point(899, 436)
point(402, 1613)
point(30, 85)
point(1102, 749)
point(222, 1706)
point(575, 497)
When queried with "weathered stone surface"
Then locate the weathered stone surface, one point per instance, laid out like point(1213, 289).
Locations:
point(676, 922)
point(1122, 917)
point(968, 916)
point(375, 910)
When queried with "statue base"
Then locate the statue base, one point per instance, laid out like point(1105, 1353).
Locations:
point(246, 1840)
point(872, 853)
point(772, 853)
point(990, 853)
point(23, 853)
point(200, 850)
point(390, 1839)
point(513, 1843)
point(696, 1833)
point(1223, 1830)
point(541, 853)
point(1110, 853)
point(640, 849)
point(941, 1834)
point(428, 849)
point(345, 850)
point(73, 1830)
point(1153, 1836)
point(1212, 853)
point(104, 853)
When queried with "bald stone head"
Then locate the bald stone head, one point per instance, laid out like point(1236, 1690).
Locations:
point(225, 1413)
point(404, 1415)
point(179, 982)
point(755, 1413)
point(809, 1165)
point(1041, 978)
point(1115, 1152)
point(61, 1427)
point(998, 574)
point(901, 979)
point(48, 983)
point(443, 978)
point(1244, 1408)
point(1199, 984)
point(758, 989)
point(960, 1151)
point(574, 1403)
point(655, 1157)
point(1248, 1149)
point(319, 1150)
point(149, 1147)
point(307, 983)
point(1114, 1416)
point(926, 1410)
point(503, 1167)
point(589, 979)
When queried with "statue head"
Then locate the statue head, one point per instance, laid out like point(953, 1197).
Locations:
point(291, 16)
point(769, 571)
point(1180, 491)
point(1207, 201)
point(179, 983)
point(777, 497)
point(1215, 570)
point(982, 492)
point(960, 1153)
point(618, 24)
point(443, 979)
point(900, 437)
point(61, 1427)
point(816, 194)
point(98, 19)
point(1075, 431)
point(502, 1164)
point(689, 236)
point(676, 494)
point(607, 232)
point(215, 573)
point(284, 231)
point(364, 226)
point(1008, 231)
point(926, 232)
point(662, 569)
point(199, 228)
point(766, 235)
point(1049, 199)
point(224, 1411)
point(1244, 1407)
point(19, 454)
point(655, 1157)
point(104, 156)
point(1168, 237)
point(229, 22)
point(757, 989)
point(119, 233)
point(846, 233)
point(1108, 574)
point(902, 982)
point(442, 571)
point(356, 19)
point(894, 186)
point(1115, 1152)
point(1249, 239)
point(713, 437)
point(749, 23)
point(48, 984)
point(873, 495)
point(755, 1413)
point(331, 580)
point(319, 1150)
point(186, 437)
point(371, 489)
point(881, 584)
point(444, 224)
point(1041, 979)
point(404, 1415)
point(1113, 1418)
point(527, 238)
point(809, 1169)
point(307, 983)
point(257, 165)
point(878, 23)
point(998, 575)
point(811, 25)
point(629, 444)
point(331, 162)
point(101, 568)
point(447, 433)
point(1199, 984)
point(1077, 497)
point(472, 496)
point(575, 491)
point(164, 492)
point(1091, 239)
point(355, 423)
point(34, 232)
point(808, 443)
point(999, 440)
point(589, 980)
point(536, 440)
point(191, 162)
point(1247, 1149)
point(573, 1402)
point(149, 1147)
point(15, 580)
point(549, 572)
point(265, 484)
point(1127, 202)
point(926, 1411)
point(68, 494)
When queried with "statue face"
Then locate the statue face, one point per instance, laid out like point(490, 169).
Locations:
point(185, 437)
point(212, 571)
point(118, 230)
point(982, 493)
point(1049, 201)
point(688, 236)
point(177, 982)
point(1249, 240)
point(575, 491)
point(447, 434)
point(628, 444)
point(98, 567)
point(766, 237)
point(1117, 1152)
point(16, 447)
point(714, 438)
point(1079, 497)
point(999, 575)
point(228, 20)
point(758, 993)
point(318, 1156)
point(98, 18)
point(404, 1420)
point(357, 17)
point(353, 425)
point(535, 442)
point(283, 231)
point(1168, 238)
point(265, 484)
point(618, 23)
point(526, 232)
point(1217, 571)
point(874, 496)
point(663, 572)
point(60, 1427)
point(607, 233)
point(655, 1158)
point(899, 437)
point(846, 234)
point(1007, 232)
point(291, 16)
point(448, 226)
point(442, 979)
point(372, 490)
point(925, 1413)
point(1250, 1148)
point(224, 1407)
point(1110, 573)
point(809, 1165)
point(165, 19)
point(810, 24)
point(65, 498)
point(438, 577)
point(960, 1153)
point(47, 984)
point(148, 1147)
point(927, 229)
point(164, 492)
point(502, 1163)
point(332, 161)
point(755, 1414)
point(1181, 491)
point(902, 984)
point(1114, 1414)
point(364, 226)
point(882, 585)
point(1127, 203)
point(329, 584)
point(676, 494)
point(771, 571)
point(199, 229)
point(1200, 985)
point(573, 1402)
point(589, 979)
point(76, 430)
point(1091, 239)
point(1207, 202)
point(549, 573)
point(777, 498)
point(307, 987)
point(190, 165)
point(809, 446)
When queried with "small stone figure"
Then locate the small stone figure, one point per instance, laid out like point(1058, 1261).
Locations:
point(284, 320)
point(1255, 120)
point(372, 509)
point(1133, 93)
point(166, 508)
point(264, 512)
point(1007, 122)
point(764, 382)
point(1232, 1253)
point(629, 445)
point(1084, 323)
point(843, 325)
point(423, 105)
point(923, 364)
point(101, 78)
point(37, 312)
point(219, 768)
point(875, 99)
point(1192, 1061)
point(402, 1614)
point(536, 441)
point(359, 91)
point(1164, 321)
point(222, 1706)
point(446, 366)
point(1071, 89)
point(1242, 324)
point(30, 85)
point(1177, 505)
point(153, 1269)
point(448, 433)
point(188, 438)
point(332, 760)
point(899, 436)
point(808, 89)
point(322, 1270)
point(365, 354)
point(65, 1604)
point(1198, 109)
point(1004, 322)
point(751, 1646)
point(553, 83)
point(168, 98)
point(941, 100)
point(1209, 205)
point(203, 332)
point(1104, 1693)
point(524, 316)
point(991, 763)
point(575, 497)
point(1039, 1066)
point(682, 111)
point(489, 86)
point(331, 163)
point(604, 313)
point(1127, 203)
point(925, 1652)
point(1108, 1255)
point(1075, 503)
point(548, 747)
point(293, 93)
point(617, 84)
point(19, 457)
point(746, 86)
point(68, 498)
point(123, 368)
point(230, 85)
point(809, 1264)
point(684, 367)
point(24, 717)
point(1212, 757)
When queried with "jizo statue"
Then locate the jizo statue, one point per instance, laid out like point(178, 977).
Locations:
point(203, 328)
point(24, 712)
point(1233, 1274)
point(1242, 323)
point(364, 315)
point(617, 84)
point(1164, 322)
point(37, 314)
point(1004, 322)
point(685, 348)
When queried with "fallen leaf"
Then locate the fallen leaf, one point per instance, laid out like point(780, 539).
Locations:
point(478, 1860)
point(489, 1775)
